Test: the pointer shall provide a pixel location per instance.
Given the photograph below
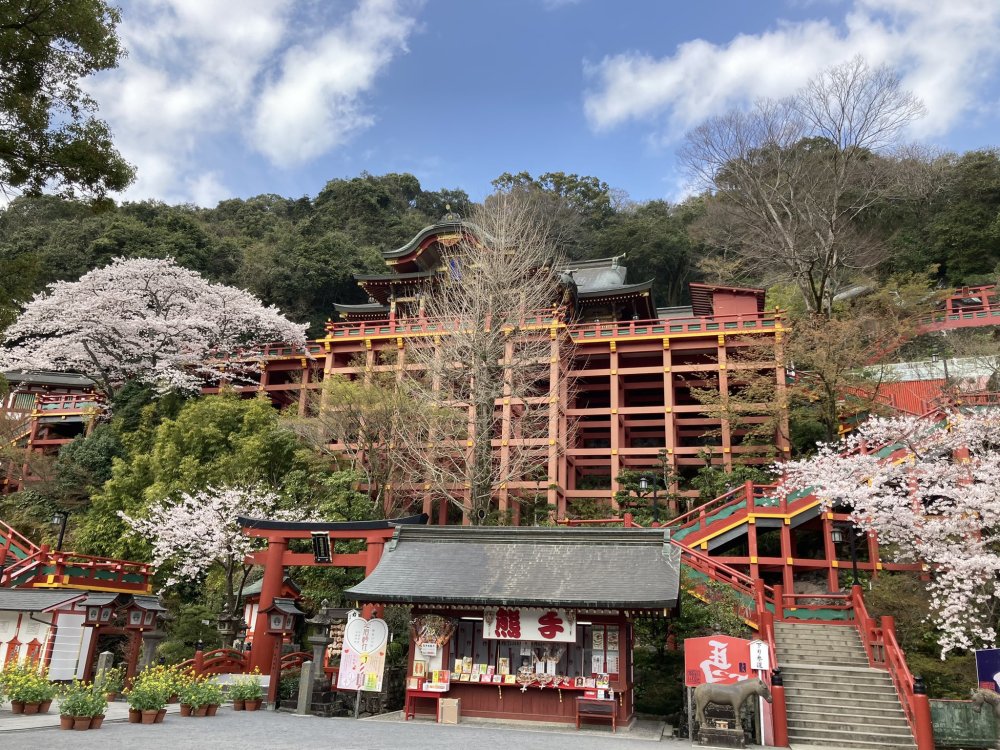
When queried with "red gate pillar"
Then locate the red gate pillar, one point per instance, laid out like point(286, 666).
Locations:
point(264, 643)
point(923, 727)
point(779, 710)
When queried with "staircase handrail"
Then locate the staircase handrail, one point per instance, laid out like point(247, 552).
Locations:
point(11, 535)
point(723, 573)
point(884, 652)
point(895, 663)
point(732, 497)
point(867, 628)
point(21, 567)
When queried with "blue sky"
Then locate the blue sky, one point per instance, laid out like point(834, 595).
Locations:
point(220, 99)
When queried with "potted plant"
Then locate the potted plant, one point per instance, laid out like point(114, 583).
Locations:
point(27, 687)
point(82, 706)
point(146, 698)
point(72, 704)
point(212, 694)
point(247, 692)
point(112, 681)
point(194, 700)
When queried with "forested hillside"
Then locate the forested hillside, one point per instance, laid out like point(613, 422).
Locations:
point(300, 253)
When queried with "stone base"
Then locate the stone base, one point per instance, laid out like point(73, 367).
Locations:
point(712, 737)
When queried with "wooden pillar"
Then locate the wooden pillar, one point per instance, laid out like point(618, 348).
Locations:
point(830, 554)
point(873, 553)
point(556, 431)
point(781, 440)
point(266, 644)
point(724, 427)
point(134, 648)
point(304, 388)
point(788, 578)
point(616, 425)
point(752, 547)
point(669, 401)
point(505, 426)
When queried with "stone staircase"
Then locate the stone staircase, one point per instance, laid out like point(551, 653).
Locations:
point(834, 698)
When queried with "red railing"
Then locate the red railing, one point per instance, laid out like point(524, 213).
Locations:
point(958, 315)
point(218, 661)
point(747, 495)
point(70, 402)
point(405, 326)
point(76, 569)
point(92, 566)
point(233, 661)
point(884, 652)
point(22, 567)
point(656, 327)
point(13, 539)
point(295, 660)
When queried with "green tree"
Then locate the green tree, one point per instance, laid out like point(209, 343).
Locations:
point(656, 244)
point(50, 136)
point(213, 441)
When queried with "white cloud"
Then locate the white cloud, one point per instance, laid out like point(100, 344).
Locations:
point(943, 50)
point(199, 69)
point(315, 103)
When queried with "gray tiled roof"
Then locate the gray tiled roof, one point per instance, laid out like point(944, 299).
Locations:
point(35, 600)
point(586, 568)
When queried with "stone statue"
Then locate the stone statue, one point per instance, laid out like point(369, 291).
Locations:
point(728, 695)
point(568, 293)
point(981, 696)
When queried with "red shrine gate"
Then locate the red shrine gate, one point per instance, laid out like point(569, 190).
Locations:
point(265, 649)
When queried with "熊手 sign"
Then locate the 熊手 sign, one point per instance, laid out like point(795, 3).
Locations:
point(529, 624)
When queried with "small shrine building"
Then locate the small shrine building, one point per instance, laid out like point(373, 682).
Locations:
point(525, 623)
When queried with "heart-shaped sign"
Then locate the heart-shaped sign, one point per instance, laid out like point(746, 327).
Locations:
point(364, 636)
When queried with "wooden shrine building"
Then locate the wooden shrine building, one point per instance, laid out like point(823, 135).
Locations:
point(632, 369)
point(525, 624)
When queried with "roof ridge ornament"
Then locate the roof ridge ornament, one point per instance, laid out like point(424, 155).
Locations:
point(450, 216)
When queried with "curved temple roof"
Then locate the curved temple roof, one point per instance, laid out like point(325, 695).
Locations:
point(582, 568)
point(265, 524)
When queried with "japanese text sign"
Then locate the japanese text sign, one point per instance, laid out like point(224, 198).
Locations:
point(718, 659)
point(522, 624)
point(362, 658)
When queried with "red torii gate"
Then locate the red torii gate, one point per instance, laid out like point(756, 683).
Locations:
point(276, 557)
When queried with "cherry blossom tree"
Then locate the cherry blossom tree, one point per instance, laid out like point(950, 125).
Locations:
point(200, 532)
point(142, 319)
point(933, 500)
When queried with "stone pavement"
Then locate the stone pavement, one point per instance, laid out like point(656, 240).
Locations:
point(232, 730)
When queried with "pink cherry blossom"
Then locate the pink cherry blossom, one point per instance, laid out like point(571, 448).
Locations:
point(932, 495)
point(141, 319)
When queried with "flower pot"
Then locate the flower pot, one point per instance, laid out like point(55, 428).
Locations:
point(134, 716)
point(65, 722)
point(212, 709)
point(238, 705)
point(81, 723)
point(201, 711)
point(160, 716)
point(185, 709)
point(252, 705)
point(44, 707)
point(17, 707)
point(149, 717)
point(96, 721)
point(173, 698)
point(110, 697)
point(31, 708)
